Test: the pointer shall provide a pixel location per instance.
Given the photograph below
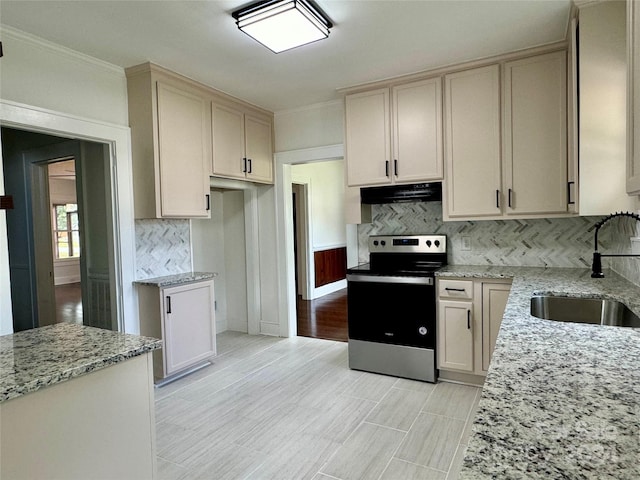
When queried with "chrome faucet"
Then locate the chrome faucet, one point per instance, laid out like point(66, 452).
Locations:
point(596, 267)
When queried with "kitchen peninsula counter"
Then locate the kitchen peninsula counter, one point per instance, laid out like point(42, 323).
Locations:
point(79, 397)
point(561, 400)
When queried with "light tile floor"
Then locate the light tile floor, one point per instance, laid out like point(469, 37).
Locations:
point(273, 408)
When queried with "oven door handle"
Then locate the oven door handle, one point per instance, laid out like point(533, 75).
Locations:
point(390, 279)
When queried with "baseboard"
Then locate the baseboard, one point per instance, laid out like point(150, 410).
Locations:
point(329, 288)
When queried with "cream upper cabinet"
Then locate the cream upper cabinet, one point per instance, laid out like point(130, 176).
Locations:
point(417, 131)
point(368, 147)
point(535, 134)
point(259, 148)
point(242, 144)
point(472, 143)
point(182, 147)
point(507, 158)
point(170, 142)
point(394, 135)
point(633, 100)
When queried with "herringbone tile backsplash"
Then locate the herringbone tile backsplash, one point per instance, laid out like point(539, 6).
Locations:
point(163, 247)
point(549, 242)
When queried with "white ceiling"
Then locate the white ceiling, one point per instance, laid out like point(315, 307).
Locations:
point(371, 40)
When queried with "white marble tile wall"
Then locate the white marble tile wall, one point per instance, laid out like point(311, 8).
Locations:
point(163, 247)
point(557, 242)
point(622, 230)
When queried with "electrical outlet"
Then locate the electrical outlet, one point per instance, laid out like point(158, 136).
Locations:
point(466, 243)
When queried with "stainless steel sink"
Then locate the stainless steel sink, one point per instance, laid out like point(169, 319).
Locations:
point(597, 311)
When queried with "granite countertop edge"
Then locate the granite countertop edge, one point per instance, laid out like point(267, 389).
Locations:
point(560, 400)
point(176, 279)
point(32, 359)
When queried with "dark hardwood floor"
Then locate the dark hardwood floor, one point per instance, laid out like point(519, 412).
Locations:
point(324, 317)
point(69, 303)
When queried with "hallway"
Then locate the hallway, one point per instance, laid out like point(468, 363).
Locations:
point(69, 303)
point(324, 317)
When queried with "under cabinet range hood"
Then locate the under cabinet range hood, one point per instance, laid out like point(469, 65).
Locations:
point(417, 192)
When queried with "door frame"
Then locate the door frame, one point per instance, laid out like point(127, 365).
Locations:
point(306, 268)
point(284, 227)
point(118, 138)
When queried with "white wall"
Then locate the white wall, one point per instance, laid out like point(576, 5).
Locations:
point(207, 243)
point(219, 246)
point(58, 91)
point(40, 73)
point(326, 192)
point(312, 126)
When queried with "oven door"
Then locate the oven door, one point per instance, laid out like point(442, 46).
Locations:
point(393, 310)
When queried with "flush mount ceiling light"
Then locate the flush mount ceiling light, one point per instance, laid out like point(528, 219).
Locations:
point(283, 24)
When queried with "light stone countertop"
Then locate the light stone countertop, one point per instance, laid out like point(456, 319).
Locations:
point(561, 400)
point(37, 358)
point(177, 279)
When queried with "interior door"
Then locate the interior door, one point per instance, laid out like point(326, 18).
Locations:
point(45, 287)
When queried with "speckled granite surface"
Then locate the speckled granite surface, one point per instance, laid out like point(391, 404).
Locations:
point(34, 359)
point(178, 279)
point(561, 400)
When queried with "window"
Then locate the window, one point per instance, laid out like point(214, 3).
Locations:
point(66, 235)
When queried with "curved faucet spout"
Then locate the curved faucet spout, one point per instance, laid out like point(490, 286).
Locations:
point(596, 267)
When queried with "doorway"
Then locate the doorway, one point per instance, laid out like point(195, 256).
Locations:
point(50, 225)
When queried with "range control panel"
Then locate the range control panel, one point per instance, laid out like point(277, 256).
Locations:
point(408, 243)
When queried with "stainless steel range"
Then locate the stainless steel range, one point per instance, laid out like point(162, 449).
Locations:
point(392, 306)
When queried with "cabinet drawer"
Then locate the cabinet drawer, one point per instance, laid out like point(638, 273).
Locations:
point(455, 289)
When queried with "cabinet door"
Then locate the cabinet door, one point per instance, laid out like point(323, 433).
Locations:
point(417, 131)
point(494, 302)
point(259, 149)
point(535, 134)
point(182, 147)
point(472, 143)
point(367, 138)
point(455, 335)
point(633, 98)
point(228, 141)
point(188, 326)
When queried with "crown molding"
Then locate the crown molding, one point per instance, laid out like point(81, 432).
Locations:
point(10, 32)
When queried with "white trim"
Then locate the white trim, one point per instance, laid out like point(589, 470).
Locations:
point(118, 137)
point(272, 329)
point(308, 155)
point(322, 248)
point(67, 52)
point(329, 288)
point(307, 108)
point(284, 227)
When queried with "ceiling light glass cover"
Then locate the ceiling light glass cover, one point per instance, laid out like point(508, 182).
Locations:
point(283, 24)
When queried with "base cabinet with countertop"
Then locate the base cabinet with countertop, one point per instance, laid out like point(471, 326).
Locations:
point(183, 316)
point(76, 403)
point(469, 316)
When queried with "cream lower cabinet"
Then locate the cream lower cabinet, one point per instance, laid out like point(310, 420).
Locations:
point(469, 317)
point(183, 317)
point(170, 144)
point(242, 144)
point(394, 135)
